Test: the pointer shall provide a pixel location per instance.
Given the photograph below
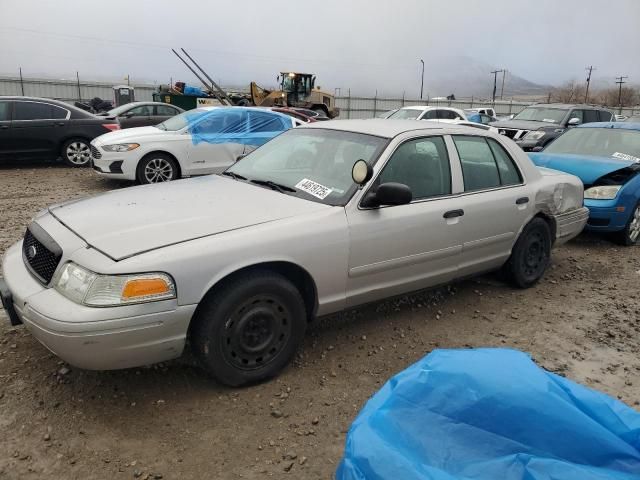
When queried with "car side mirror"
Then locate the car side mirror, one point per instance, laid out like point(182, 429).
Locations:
point(361, 172)
point(537, 149)
point(389, 193)
point(574, 122)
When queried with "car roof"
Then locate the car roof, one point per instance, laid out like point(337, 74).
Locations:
point(35, 99)
point(566, 105)
point(618, 125)
point(380, 127)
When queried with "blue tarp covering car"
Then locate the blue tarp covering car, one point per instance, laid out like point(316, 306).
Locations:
point(490, 414)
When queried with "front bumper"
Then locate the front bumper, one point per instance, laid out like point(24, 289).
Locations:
point(570, 224)
point(604, 215)
point(94, 338)
point(118, 165)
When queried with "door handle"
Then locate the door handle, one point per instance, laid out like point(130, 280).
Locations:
point(522, 200)
point(453, 213)
point(60, 124)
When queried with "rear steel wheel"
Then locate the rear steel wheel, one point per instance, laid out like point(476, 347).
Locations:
point(530, 255)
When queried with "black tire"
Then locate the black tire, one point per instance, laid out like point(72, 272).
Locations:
point(156, 167)
point(76, 152)
point(530, 255)
point(248, 330)
point(631, 233)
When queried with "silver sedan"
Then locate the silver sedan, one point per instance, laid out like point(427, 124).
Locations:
point(322, 218)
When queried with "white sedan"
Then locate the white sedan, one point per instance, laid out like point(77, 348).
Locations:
point(200, 141)
point(425, 112)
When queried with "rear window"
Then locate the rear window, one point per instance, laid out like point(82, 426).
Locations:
point(590, 116)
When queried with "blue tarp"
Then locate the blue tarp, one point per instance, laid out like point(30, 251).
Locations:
point(490, 414)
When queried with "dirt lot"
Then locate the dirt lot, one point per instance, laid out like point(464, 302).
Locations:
point(170, 421)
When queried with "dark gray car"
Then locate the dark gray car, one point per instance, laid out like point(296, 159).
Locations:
point(537, 125)
point(143, 114)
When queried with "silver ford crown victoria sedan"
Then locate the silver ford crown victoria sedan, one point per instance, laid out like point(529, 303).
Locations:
point(322, 218)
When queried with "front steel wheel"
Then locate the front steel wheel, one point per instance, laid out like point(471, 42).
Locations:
point(248, 329)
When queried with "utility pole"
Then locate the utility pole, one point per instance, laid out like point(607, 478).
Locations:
point(502, 88)
point(78, 84)
point(495, 84)
point(590, 69)
point(422, 81)
point(620, 81)
point(21, 82)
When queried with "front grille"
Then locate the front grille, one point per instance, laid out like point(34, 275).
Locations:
point(41, 260)
point(513, 133)
point(95, 153)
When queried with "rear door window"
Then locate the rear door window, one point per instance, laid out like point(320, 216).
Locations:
point(509, 173)
point(605, 116)
point(479, 169)
point(5, 111)
point(590, 116)
point(58, 113)
point(166, 111)
point(32, 111)
point(264, 122)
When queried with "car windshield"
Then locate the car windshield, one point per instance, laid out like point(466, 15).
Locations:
point(406, 113)
point(310, 163)
point(180, 121)
point(541, 114)
point(601, 142)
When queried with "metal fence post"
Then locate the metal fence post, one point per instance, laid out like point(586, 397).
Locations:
point(375, 104)
point(349, 104)
point(510, 105)
point(471, 102)
point(21, 82)
point(403, 98)
point(78, 79)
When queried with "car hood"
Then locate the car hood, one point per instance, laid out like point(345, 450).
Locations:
point(127, 222)
point(587, 168)
point(128, 135)
point(524, 125)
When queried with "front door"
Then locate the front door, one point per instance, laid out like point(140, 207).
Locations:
point(140, 116)
point(397, 249)
point(496, 202)
point(217, 141)
point(37, 129)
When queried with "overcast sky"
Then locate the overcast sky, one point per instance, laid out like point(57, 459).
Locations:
point(362, 45)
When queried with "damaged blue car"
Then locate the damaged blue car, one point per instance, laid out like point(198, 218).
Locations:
point(606, 157)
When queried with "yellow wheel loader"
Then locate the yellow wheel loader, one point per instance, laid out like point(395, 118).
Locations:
point(296, 90)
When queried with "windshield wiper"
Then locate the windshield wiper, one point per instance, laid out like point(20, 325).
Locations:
point(274, 186)
point(235, 176)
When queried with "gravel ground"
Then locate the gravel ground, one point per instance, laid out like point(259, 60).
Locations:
point(170, 421)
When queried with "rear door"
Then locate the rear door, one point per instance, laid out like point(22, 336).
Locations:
point(496, 202)
point(263, 127)
point(163, 112)
point(38, 128)
point(5, 127)
point(140, 116)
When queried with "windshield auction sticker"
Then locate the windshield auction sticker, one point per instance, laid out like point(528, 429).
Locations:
point(313, 188)
point(625, 156)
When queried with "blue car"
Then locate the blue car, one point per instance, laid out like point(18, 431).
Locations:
point(606, 157)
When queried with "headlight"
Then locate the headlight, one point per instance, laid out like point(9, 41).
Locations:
point(94, 290)
point(120, 147)
point(603, 192)
point(535, 135)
